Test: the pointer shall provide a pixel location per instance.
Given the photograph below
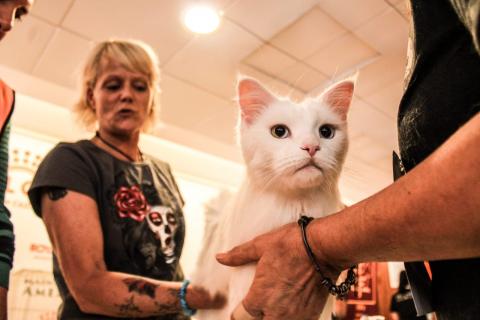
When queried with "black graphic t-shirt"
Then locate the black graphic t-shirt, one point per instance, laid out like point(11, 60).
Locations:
point(140, 209)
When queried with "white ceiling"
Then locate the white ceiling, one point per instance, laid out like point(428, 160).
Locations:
point(296, 47)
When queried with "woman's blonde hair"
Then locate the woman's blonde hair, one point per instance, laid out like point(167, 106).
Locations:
point(133, 55)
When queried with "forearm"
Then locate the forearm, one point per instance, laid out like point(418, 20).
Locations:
point(124, 295)
point(3, 303)
point(431, 213)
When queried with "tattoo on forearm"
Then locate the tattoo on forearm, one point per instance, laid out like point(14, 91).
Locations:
point(141, 287)
point(128, 308)
point(56, 193)
point(170, 304)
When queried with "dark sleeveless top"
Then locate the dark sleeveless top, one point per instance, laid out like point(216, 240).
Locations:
point(442, 94)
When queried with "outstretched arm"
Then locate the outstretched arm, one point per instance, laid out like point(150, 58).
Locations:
point(3, 303)
point(74, 228)
point(430, 213)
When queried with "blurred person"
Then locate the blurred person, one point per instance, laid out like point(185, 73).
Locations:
point(402, 306)
point(114, 215)
point(10, 10)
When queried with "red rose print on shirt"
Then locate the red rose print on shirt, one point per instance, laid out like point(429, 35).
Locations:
point(131, 203)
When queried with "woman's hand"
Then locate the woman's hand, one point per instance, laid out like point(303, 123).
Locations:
point(199, 298)
point(286, 285)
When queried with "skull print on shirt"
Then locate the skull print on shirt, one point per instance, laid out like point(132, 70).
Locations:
point(149, 212)
point(163, 224)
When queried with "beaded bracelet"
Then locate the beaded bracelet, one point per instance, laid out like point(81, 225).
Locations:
point(341, 290)
point(183, 302)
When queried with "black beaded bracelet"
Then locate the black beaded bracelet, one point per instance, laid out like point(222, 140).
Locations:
point(341, 290)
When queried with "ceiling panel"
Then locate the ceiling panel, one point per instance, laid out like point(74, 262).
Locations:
point(303, 77)
point(220, 125)
point(60, 61)
point(185, 105)
point(33, 34)
point(367, 149)
point(366, 119)
point(360, 180)
point(275, 85)
point(51, 10)
point(267, 17)
point(156, 22)
point(341, 55)
point(402, 7)
point(373, 32)
point(353, 13)
point(308, 34)
point(387, 98)
point(292, 47)
point(270, 60)
point(210, 61)
point(380, 74)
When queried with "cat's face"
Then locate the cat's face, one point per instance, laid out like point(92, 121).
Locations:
point(291, 146)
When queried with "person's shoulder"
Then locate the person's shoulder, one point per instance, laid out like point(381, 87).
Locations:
point(68, 151)
point(78, 146)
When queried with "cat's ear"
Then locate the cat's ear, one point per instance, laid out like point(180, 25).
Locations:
point(252, 98)
point(339, 96)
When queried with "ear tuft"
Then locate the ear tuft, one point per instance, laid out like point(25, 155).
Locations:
point(252, 99)
point(339, 96)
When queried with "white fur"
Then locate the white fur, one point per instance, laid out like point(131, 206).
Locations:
point(274, 193)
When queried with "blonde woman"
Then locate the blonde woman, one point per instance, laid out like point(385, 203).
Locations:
point(113, 214)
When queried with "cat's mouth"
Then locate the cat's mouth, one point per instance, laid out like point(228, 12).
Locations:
point(309, 165)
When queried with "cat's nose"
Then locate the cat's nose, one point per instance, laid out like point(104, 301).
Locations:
point(311, 149)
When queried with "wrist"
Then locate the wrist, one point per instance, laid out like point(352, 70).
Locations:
point(327, 273)
point(325, 246)
point(186, 308)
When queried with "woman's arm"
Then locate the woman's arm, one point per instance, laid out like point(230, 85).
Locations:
point(3, 303)
point(74, 228)
point(431, 213)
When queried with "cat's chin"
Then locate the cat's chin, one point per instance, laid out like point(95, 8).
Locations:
point(306, 177)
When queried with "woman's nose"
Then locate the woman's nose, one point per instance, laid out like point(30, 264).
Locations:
point(127, 94)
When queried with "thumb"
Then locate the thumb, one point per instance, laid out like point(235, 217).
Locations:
point(240, 255)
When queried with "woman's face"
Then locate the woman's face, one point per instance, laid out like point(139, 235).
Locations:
point(11, 10)
point(121, 99)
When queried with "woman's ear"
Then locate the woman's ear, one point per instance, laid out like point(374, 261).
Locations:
point(90, 101)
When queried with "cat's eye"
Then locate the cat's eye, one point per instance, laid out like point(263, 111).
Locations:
point(327, 131)
point(280, 131)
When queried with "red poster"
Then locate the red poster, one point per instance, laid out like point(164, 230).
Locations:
point(362, 300)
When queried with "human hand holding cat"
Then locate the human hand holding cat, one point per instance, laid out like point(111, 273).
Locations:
point(286, 285)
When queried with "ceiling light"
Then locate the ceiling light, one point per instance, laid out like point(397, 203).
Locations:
point(201, 19)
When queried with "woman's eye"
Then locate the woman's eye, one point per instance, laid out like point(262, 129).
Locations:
point(112, 86)
point(280, 131)
point(327, 131)
point(20, 12)
point(141, 87)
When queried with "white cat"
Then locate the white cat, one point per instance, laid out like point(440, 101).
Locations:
point(294, 154)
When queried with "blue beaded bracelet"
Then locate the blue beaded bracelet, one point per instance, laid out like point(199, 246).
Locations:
point(183, 302)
